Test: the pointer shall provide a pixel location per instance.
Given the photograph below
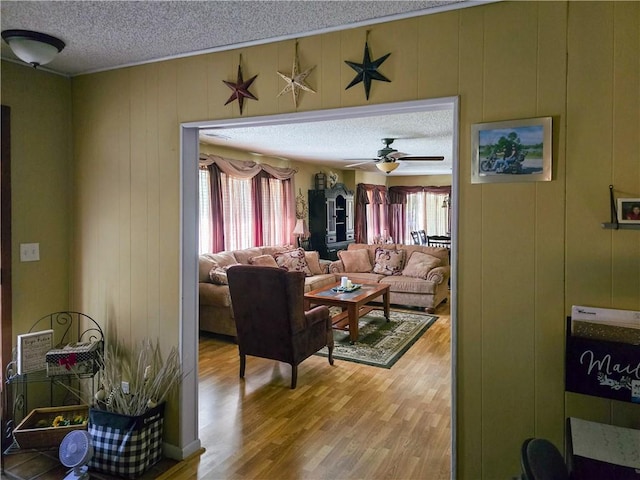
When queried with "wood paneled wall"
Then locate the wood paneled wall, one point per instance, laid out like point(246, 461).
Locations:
point(527, 251)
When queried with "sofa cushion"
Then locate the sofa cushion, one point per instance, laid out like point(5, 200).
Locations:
point(419, 264)
point(205, 264)
point(208, 261)
point(362, 277)
point(263, 261)
point(243, 256)
point(222, 259)
point(313, 260)
point(318, 281)
point(389, 262)
point(214, 295)
point(275, 250)
point(403, 284)
point(294, 261)
point(356, 261)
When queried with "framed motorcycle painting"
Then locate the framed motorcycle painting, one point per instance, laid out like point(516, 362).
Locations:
point(511, 151)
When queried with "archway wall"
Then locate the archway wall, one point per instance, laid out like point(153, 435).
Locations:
point(527, 251)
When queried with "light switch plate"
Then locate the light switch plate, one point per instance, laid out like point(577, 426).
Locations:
point(29, 252)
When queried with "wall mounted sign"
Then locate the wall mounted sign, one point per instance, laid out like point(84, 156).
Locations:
point(32, 349)
point(602, 368)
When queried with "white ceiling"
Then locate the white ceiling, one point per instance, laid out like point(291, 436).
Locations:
point(102, 35)
point(339, 142)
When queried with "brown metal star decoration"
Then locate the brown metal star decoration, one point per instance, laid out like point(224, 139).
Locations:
point(367, 71)
point(296, 81)
point(240, 89)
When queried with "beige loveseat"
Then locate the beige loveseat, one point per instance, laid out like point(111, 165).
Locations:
point(418, 275)
point(216, 314)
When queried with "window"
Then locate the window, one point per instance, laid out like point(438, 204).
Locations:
point(204, 201)
point(427, 211)
point(255, 212)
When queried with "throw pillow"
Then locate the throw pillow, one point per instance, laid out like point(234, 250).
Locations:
point(223, 259)
point(313, 260)
point(389, 262)
point(420, 264)
point(218, 276)
point(263, 261)
point(294, 261)
point(355, 261)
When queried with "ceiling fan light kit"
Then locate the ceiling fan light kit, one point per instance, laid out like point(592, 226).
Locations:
point(34, 48)
point(387, 167)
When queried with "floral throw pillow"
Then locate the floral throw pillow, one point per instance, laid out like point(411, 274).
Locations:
point(389, 262)
point(218, 276)
point(294, 261)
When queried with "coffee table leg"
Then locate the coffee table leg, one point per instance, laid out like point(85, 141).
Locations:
point(353, 323)
point(387, 304)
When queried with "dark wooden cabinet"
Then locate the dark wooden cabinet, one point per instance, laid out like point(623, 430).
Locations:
point(331, 220)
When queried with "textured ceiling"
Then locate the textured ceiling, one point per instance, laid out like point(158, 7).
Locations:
point(341, 142)
point(108, 34)
point(102, 35)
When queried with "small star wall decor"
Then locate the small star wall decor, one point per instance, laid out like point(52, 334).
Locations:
point(240, 88)
point(296, 81)
point(367, 71)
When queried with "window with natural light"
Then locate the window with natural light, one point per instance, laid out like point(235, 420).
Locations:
point(429, 212)
point(240, 212)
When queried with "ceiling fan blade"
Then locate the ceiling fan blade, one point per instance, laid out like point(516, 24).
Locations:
point(421, 158)
point(359, 163)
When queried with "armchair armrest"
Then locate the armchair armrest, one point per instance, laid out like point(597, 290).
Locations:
point(317, 314)
point(336, 267)
point(439, 275)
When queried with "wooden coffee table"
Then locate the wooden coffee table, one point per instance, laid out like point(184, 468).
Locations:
point(353, 304)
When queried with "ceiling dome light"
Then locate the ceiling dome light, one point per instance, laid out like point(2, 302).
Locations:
point(387, 167)
point(34, 48)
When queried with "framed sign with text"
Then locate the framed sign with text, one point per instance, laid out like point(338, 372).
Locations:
point(32, 351)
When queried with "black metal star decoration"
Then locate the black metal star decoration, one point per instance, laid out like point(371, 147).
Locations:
point(367, 71)
point(240, 88)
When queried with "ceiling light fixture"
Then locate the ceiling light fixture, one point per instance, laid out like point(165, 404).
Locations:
point(31, 47)
point(387, 167)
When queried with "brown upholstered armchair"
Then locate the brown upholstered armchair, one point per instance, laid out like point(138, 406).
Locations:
point(268, 307)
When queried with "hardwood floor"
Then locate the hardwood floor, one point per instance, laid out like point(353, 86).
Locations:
point(348, 421)
point(343, 422)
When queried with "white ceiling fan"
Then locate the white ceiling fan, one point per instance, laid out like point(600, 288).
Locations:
point(388, 158)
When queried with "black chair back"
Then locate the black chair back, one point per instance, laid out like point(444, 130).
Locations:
point(541, 460)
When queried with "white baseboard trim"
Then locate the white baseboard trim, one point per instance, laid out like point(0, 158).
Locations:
point(177, 453)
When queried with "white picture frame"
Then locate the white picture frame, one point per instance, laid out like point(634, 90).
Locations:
point(32, 350)
point(629, 210)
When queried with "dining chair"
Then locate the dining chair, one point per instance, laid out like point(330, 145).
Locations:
point(541, 460)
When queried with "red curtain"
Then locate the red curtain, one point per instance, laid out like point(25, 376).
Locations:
point(256, 172)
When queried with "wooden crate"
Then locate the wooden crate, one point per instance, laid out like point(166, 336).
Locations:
point(28, 435)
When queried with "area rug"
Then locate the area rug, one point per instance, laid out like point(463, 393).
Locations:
point(381, 343)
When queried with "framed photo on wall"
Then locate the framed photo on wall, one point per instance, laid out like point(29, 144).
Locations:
point(511, 151)
point(629, 210)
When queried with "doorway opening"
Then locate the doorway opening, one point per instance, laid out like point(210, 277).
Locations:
point(189, 243)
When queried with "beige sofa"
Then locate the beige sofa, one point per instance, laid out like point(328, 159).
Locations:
point(216, 314)
point(426, 289)
point(418, 275)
